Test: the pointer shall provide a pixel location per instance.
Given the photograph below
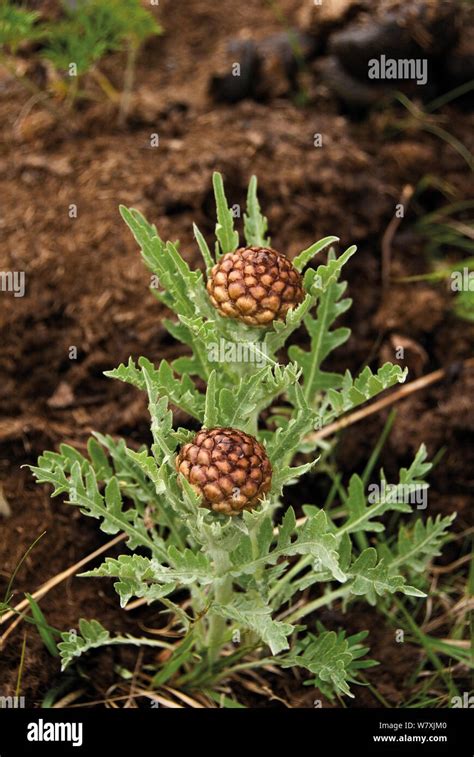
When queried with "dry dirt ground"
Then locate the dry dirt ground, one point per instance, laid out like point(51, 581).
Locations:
point(87, 287)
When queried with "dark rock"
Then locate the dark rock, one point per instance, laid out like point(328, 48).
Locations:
point(355, 94)
point(420, 30)
point(282, 57)
point(227, 86)
point(459, 67)
point(319, 20)
point(268, 68)
point(356, 45)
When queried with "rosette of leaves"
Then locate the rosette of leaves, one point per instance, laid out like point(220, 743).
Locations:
point(243, 577)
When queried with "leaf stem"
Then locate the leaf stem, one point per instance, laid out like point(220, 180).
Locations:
point(326, 599)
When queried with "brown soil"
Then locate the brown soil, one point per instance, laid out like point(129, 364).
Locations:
point(87, 287)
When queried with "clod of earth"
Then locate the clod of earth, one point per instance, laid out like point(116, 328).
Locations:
point(229, 468)
point(256, 285)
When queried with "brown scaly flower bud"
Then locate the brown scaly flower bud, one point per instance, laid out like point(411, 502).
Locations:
point(256, 285)
point(229, 468)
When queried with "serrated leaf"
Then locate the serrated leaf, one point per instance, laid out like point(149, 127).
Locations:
point(419, 543)
point(84, 492)
point(255, 223)
point(103, 469)
point(286, 440)
point(183, 288)
point(372, 579)
point(362, 514)
point(150, 468)
point(254, 393)
point(417, 471)
point(328, 656)
point(139, 480)
point(286, 529)
point(92, 635)
point(354, 392)
point(252, 613)
point(181, 392)
point(276, 337)
point(164, 442)
point(304, 257)
point(228, 238)
point(323, 339)
point(312, 538)
point(149, 579)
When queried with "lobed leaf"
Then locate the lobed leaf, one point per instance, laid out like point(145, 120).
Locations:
point(323, 339)
point(82, 487)
point(152, 580)
point(390, 496)
point(304, 257)
point(254, 614)
point(184, 289)
point(92, 635)
point(328, 656)
point(312, 538)
point(255, 223)
point(354, 392)
point(228, 239)
point(419, 543)
point(372, 579)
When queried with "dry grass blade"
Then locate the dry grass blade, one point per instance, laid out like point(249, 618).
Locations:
point(185, 698)
point(67, 700)
point(54, 581)
point(389, 234)
point(158, 698)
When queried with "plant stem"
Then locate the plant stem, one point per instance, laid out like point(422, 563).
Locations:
point(289, 575)
point(128, 81)
point(317, 603)
point(222, 596)
point(245, 666)
point(217, 624)
point(73, 92)
point(106, 85)
point(21, 668)
point(425, 642)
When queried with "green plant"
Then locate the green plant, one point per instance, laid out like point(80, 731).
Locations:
point(235, 588)
point(17, 25)
point(424, 119)
point(444, 232)
point(93, 28)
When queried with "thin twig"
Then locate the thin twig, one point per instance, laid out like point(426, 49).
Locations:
point(390, 399)
point(389, 234)
point(133, 683)
point(67, 700)
point(52, 582)
point(31, 86)
point(185, 698)
point(358, 415)
point(129, 77)
point(26, 110)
